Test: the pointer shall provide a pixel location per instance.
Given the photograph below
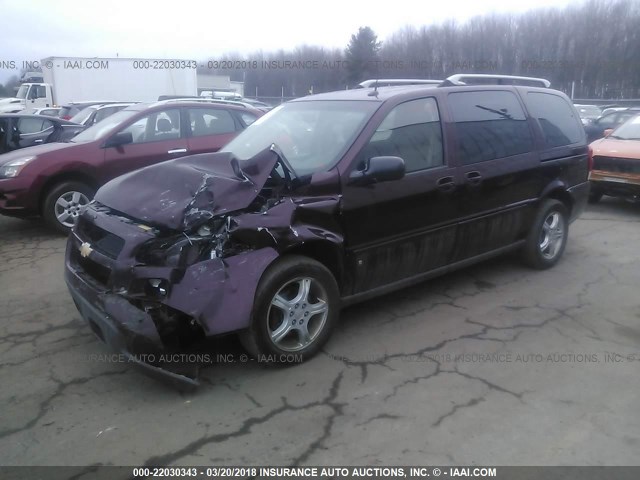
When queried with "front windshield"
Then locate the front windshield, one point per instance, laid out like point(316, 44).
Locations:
point(312, 135)
point(22, 91)
point(106, 126)
point(83, 115)
point(629, 130)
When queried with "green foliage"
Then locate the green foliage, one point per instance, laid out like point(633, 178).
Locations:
point(362, 55)
point(595, 44)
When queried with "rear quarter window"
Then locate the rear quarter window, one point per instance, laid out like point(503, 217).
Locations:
point(489, 125)
point(556, 118)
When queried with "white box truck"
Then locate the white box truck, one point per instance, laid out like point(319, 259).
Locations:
point(73, 79)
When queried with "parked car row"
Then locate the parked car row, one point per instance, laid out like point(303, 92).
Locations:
point(325, 201)
point(58, 180)
point(596, 119)
point(588, 113)
point(611, 120)
point(614, 135)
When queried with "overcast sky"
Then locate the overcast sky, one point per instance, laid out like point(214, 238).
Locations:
point(189, 29)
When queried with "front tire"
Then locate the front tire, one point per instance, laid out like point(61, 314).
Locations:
point(547, 238)
point(296, 306)
point(64, 203)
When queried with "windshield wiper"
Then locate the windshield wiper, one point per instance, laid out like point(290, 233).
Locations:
point(497, 112)
point(617, 137)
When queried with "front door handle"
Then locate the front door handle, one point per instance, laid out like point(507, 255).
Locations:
point(446, 184)
point(177, 150)
point(473, 178)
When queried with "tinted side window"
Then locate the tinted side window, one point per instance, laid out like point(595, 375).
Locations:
point(555, 116)
point(607, 120)
point(210, 121)
point(412, 132)
point(247, 118)
point(103, 113)
point(489, 125)
point(33, 125)
point(156, 127)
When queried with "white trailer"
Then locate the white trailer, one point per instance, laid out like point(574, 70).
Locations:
point(73, 79)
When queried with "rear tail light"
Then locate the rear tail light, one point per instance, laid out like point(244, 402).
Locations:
point(590, 158)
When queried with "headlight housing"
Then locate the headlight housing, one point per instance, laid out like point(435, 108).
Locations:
point(175, 251)
point(14, 167)
point(207, 241)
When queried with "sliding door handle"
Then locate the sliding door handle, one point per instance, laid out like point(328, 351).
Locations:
point(446, 184)
point(473, 178)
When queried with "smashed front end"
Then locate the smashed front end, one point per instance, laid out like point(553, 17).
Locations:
point(158, 279)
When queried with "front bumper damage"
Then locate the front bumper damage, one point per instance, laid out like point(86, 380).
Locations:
point(113, 292)
point(110, 291)
point(149, 282)
point(137, 340)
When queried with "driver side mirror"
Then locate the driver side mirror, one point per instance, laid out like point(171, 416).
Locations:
point(119, 139)
point(608, 131)
point(379, 169)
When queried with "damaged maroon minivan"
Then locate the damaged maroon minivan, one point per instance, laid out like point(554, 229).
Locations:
point(324, 201)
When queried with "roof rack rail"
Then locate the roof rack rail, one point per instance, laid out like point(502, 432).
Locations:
point(394, 82)
point(459, 79)
point(205, 100)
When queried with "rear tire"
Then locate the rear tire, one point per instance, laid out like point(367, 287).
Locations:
point(295, 309)
point(64, 203)
point(547, 238)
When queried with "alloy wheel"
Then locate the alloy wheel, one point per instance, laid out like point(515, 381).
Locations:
point(69, 206)
point(552, 235)
point(297, 314)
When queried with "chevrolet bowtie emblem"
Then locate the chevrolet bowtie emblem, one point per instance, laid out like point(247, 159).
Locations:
point(85, 249)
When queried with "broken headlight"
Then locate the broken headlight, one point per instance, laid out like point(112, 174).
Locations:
point(175, 251)
point(204, 242)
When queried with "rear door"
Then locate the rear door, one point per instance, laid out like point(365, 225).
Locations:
point(210, 128)
point(34, 131)
point(563, 150)
point(157, 137)
point(498, 165)
point(399, 229)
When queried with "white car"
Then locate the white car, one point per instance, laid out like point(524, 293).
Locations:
point(48, 111)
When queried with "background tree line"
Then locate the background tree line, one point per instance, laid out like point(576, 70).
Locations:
point(595, 44)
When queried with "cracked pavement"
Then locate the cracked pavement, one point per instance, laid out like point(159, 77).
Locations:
point(495, 365)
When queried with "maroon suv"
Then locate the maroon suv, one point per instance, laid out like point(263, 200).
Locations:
point(57, 180)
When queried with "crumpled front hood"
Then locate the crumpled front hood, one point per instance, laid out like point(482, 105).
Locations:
point(179, 194)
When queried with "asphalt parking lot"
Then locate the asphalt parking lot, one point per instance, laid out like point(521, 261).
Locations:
point(493, 365)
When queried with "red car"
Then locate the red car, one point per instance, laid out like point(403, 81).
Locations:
point(57, 180)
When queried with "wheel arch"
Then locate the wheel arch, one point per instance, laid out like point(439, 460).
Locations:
point(557, 190)
point(73, 176)
point(327, 253)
